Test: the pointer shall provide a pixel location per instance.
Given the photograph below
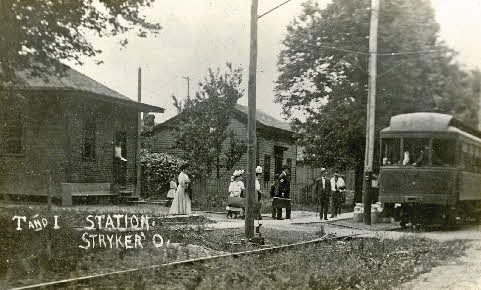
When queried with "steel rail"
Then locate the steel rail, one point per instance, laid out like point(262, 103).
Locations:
point(72, 281)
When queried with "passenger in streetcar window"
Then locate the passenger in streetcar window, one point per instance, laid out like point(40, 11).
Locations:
point(385, 161)
point(406, 159)
point(437, 161)
point(423, 157)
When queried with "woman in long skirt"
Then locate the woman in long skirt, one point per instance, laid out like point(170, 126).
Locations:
point(235, 189)
point(181, 203)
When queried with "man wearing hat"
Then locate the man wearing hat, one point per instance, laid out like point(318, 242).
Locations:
point(337, 185)
point(240, 172)
point(285, 189)
point(258, 187)
point(258, 184)
point(323, 193)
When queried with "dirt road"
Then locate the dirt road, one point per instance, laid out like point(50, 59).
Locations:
point(465, 273)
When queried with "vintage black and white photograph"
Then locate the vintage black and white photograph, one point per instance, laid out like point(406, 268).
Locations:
point(240, 144)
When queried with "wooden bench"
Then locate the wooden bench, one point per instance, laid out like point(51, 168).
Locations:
point(70, 190)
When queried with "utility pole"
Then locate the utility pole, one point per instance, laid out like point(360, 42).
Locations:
point(251, 125)
point(479, 107)
point(371, 111)
point(139, 131)
point(188, 85)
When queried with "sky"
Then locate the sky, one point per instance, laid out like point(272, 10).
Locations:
point(202, 34)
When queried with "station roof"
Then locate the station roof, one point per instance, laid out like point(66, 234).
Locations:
point(79, 85)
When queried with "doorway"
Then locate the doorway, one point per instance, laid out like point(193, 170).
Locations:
point(278, 157)
point(120, 166)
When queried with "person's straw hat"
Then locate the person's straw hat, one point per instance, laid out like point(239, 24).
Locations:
point(258, 170)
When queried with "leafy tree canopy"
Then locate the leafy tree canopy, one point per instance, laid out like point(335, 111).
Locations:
point(322, 84)
point(36, 34)
point(204, 134)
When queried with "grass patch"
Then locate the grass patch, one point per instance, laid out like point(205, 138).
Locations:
point(30, 256)
point(357, 264)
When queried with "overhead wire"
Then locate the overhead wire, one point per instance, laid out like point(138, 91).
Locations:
point(412, 52)
point(265, 13)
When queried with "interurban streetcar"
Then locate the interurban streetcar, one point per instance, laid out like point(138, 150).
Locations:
point(430, 169)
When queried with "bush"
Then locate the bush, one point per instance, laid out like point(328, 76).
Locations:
point(156, 171)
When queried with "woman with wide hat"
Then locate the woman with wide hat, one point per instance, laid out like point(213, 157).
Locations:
point(182, 203)
point(235, 190)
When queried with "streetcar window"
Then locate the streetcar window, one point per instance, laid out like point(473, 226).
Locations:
point(444, 152)
point(390, 151)
point(464, 150)
point(416, 151)
point(477, 160)
point(471, 166)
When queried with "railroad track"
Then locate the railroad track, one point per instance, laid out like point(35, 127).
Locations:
point(170, 269)
point(337, 224)
point(357, 228)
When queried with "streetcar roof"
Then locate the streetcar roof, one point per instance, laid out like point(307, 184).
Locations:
point(427, 122)
point(420, 122)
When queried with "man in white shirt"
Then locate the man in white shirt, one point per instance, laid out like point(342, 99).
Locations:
point(323, 193)
point(337, 186)
point(258, 187)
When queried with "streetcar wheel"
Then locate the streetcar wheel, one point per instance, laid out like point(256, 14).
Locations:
point(402, 224)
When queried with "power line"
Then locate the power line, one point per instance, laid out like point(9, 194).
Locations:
point(344, 50)
point(412, 52)
point(273, 9)
point(393, 68)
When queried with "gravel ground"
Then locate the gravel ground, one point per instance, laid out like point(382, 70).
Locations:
point(461, 273)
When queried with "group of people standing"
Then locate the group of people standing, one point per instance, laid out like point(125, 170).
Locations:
point(328, 190)
point(281, 188)
point(237, 189)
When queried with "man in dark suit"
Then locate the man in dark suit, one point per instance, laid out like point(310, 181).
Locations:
point(285, 189)
point(323, 193)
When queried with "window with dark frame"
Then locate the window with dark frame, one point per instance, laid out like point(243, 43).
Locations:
point(477, 162)
point(289, 165)
point(465, 156)
point(390, 151)
point(443, 152)
point(89, 140)
point(13, 134)
point(267, 168)
point(418, 150)
point(471, 158)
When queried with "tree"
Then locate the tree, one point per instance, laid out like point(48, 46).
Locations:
point(203, 133)
point(322, 84)
point(157, 168)
point(36, 34)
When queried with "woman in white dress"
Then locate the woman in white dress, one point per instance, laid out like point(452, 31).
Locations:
point(235, 189)
point(172, 188)
point(181, 203)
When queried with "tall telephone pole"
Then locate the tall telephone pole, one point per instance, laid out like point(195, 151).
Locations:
point(371, 110)
point(188, 85)
point(139, 131)
point(479, 107)
point(251, 125)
